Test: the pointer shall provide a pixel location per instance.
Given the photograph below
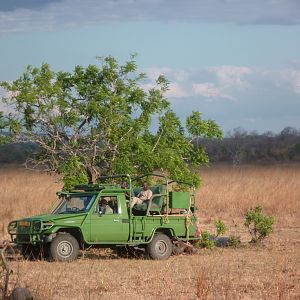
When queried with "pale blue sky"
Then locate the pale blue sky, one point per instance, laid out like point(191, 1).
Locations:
point(236, 61)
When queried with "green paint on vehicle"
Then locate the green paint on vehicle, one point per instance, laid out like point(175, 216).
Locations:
point(75, 221)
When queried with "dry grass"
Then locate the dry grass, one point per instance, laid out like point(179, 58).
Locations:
point(248, 273)
point(24, 193)
point(227, 192)
point(268, 271)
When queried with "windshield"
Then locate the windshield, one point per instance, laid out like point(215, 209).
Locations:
point(74, 204)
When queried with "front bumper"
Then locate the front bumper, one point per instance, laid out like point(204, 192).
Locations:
point(29, 232)
point(26, 238)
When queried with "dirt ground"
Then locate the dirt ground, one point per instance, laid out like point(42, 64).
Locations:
point(267, 271)
point(270, 270)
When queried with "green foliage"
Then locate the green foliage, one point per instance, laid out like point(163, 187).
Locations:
point(96, 120)
point(297, 148)
point(196, 126)
point(2, 121)
point(259, 225)
point(234, 241)
point(221, 228)
point(4, 138)
point(73, 173)
point(206, 241)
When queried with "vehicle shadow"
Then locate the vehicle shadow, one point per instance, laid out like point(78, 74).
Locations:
point(105, 254)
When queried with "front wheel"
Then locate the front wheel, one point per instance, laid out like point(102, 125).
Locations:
point(64, 247)
point(160, 247)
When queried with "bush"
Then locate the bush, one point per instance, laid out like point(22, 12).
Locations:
point(220, 227)
point(234, 241)
point(259, 225)
point(209, 240)
point(206, 241)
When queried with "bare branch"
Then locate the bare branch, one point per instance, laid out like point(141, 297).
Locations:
point(156, 144)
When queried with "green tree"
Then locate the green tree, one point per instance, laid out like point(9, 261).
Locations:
point(2, 126)
point(4, 134)
point(97, 120)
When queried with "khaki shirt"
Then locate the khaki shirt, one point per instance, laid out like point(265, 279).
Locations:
point(106, 210)
point(145, 195)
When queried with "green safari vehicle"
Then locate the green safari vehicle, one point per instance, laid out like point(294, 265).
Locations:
point(75, 222)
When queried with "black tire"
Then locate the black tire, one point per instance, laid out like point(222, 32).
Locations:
point(64, 247)
point(160, 247)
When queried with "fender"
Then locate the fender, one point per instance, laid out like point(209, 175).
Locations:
point(167, 231)
point(76, 232)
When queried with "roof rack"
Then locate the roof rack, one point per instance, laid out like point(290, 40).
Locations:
point(93, 187)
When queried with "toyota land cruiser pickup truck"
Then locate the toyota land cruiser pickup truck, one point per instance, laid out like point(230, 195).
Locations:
point(76, 222)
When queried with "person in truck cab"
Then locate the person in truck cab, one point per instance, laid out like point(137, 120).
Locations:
point(104, 208)
point(144, 195)
point(124, 186)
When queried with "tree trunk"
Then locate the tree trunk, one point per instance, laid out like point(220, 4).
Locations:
point(92, 173)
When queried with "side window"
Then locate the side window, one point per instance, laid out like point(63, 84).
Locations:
point(113, 203)
point(108, 205)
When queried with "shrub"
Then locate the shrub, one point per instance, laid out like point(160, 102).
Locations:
point(206, 241)
point(220, 227)
point(209, 240)
point(234, 241)
point(259, 225)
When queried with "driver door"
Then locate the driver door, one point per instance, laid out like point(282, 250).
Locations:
point(112, 227)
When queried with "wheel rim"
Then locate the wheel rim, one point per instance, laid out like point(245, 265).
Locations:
point(65, 248)
point(161, 247)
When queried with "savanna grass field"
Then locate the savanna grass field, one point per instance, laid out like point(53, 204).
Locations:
point(270, 270)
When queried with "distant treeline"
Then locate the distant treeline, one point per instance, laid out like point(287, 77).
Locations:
point(238, 147)
point(241, 147)
point(16, 153)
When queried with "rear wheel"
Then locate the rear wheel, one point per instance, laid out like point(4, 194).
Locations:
point(160, 247)
point(64, 247)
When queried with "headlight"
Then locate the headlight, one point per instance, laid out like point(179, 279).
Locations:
point(12, 227)
point(24, 224)
point(36, 226)
point(47, 225)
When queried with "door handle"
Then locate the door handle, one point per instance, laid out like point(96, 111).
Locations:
point(116, 220)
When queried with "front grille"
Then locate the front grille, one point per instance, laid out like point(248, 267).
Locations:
point(23, 229)
point(23, 238)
